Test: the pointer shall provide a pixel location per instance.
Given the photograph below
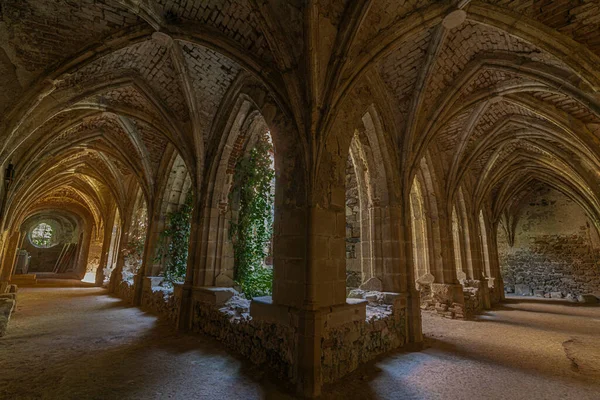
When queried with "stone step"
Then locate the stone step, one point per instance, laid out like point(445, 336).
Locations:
point(23, 279)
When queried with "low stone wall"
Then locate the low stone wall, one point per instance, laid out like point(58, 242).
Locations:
point(474, 302)
point(496, 286)
point(264, 343)
point(125, 291)
point(161, 301)
point(347, 346)
point(445, 300)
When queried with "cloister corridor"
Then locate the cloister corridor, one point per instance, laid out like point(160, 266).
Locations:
point(81, 343)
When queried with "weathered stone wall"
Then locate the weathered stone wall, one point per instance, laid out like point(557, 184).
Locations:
point(264, 343)
point(353, 246)
point(555, 249)
point(125, 291)
point(473, 296)
point(161, 301)
point(347, 346)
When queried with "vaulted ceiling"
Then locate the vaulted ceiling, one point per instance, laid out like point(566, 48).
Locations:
point(503, 94)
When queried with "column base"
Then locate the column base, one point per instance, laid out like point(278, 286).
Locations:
point(496, 289)
point(138, 289)
point(477, 296)
point(183, 301)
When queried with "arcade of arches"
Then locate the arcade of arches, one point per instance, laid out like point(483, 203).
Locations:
point(430, 158)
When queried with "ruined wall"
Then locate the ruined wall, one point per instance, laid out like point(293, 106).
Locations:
point(159, 300)
point(556, 249)
point(125, 291)
point(264, 343)
point(346, 346)
point(353, 246)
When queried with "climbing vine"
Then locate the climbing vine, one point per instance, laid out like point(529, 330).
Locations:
point(252, 232)
point(174, 240)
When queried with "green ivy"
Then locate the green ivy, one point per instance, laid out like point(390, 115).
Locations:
point(252, 232)
point(173, 242)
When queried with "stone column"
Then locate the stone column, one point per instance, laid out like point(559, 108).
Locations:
point(414, 324)
point(495, 281)
point(478, 264)
point(82, 252)
point(183, 293)
point(106, 241)
point(9, 256)
point(152, 234)
point(447, 292)
point(116, 275)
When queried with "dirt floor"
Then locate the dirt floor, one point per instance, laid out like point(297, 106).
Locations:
point(79, 343)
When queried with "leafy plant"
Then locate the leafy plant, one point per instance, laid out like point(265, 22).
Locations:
point(252, 232)
point(174, 240)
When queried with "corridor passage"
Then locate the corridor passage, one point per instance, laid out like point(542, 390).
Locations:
point(80, 343)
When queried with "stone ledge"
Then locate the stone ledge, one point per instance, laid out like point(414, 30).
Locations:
point(212, 295)
point(149, 282)
point(263, 309)
point(354, 310)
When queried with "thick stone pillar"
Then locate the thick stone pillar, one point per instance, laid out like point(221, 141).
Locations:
point(109, 224)
point(446, 291)
point(184, 292)
point(116, 276)
point(413, 310)
point(478, 265)
point(10, 253)
point(152, 234)
point(495, 281)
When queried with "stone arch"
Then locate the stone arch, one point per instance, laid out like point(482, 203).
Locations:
point(248, 113)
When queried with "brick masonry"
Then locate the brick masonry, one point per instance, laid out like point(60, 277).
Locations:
point(556, 248)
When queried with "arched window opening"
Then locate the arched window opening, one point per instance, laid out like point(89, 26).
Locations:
point(251, 230)
point(353, 228)
point(51, 244)
point(362, 251)
point(171, 257)
point(134, 250)
point(42, 236)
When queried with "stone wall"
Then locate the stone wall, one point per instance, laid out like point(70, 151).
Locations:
point(125, 291)
point(161, 301)
point(555, 249)
point(473, 294)
point(345, 347)
point(44, 259)
point(353, 333)
point(264, 343)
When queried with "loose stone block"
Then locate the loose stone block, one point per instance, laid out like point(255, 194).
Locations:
point(587, 298)
point(522, 290)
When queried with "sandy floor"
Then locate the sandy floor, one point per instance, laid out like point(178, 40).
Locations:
point(79, 343)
